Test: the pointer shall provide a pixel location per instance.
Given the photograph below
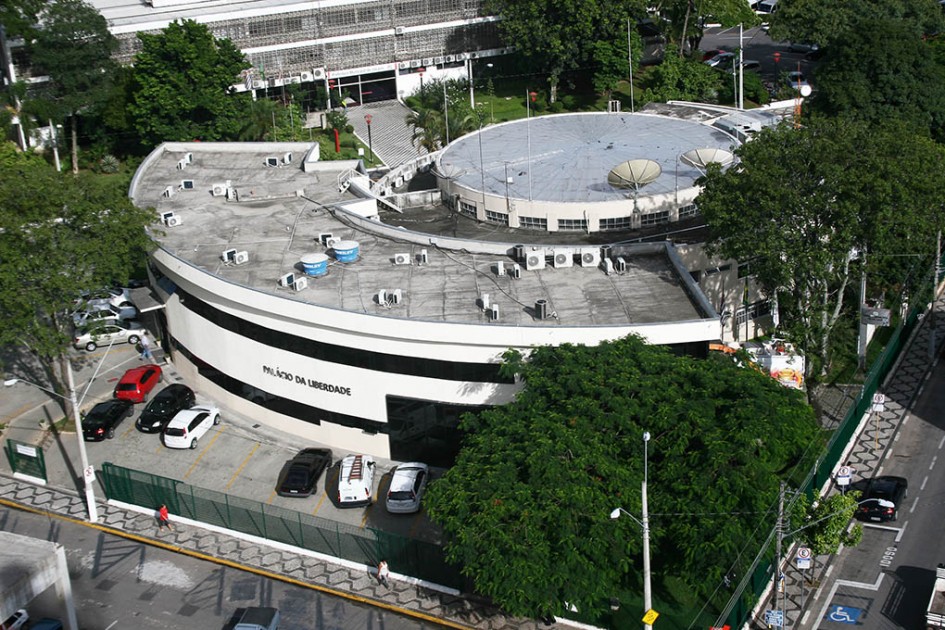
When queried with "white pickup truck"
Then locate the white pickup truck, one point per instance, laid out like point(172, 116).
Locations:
point(935, 616)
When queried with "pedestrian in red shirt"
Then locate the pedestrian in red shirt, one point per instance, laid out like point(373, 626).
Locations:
point(164, 519)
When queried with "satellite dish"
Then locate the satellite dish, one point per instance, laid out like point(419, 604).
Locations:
point(701, 158)
point(634, 174)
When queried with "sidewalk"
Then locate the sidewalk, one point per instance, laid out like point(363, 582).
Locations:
point(875, 434)
point(28, 411)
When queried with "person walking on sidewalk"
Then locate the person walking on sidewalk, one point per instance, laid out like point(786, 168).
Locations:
point(146, 347)
point(383, 574)
point(164, 519)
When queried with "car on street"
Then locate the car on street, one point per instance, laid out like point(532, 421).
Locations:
point(722, 59)
point(17, 620)
point(90, 338)
point(137, 383)
point(881, 499)
point(406, 488)
point(102, 314)
point(709, 54)
point(301, 473)
point(797, 81)
point(102, 420)
point(116, 296)
point(164, 406)
point(356, 481)
point(189, 425)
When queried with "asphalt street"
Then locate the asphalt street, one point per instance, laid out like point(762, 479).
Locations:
point(886, 581)
point(120, 583)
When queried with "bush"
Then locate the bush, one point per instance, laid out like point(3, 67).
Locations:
point(109, 164)
point(556, 108)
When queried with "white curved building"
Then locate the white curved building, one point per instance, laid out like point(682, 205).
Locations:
point(383, 353)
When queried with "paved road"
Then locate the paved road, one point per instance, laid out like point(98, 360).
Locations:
point(122, 584)
point(886, 581)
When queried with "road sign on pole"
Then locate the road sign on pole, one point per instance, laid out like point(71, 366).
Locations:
point(774, 618)
point(879, 402)
point(803, 558)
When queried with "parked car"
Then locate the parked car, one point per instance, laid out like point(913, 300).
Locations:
point(406, 488)
point(46, 623)
point(16, 621)
point(116, 296)
point(102, 314)
point(100, 423)
point(137, 383)
point(190, 425)
point(258, 618)
point(710, 54)
point(301, 473)
point(164, 406)
point(90, 338)
point(356, 481)
point(882, 497)
point(796, 80)
point(723, 59)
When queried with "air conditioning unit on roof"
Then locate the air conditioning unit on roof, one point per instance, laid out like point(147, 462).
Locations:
point(299, 284)
point(306, 77)
point(399, 30)
point(401, 259)
point(563, 258)
point(173, 221)
point(241, 258)
point(450, 58)
point(318, 74)
point(535, 260)
point(590, 256)
point(258, 84)
point(219, 189)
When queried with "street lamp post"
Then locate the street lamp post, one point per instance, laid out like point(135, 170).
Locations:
point(645, 524)
point(87, 471)
point(367, 119)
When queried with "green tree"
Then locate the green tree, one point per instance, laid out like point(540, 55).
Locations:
point(679, 78)
point(825, 21)
point(182, 90)
point(802, 204)
point(823, 526)
point(526, 508)
point(880, 71)
point(557, 36)
point(610, 58)
point(428, 129)
point(74, 47)
point(686, 19)
point(19, 19)
point(61, 234)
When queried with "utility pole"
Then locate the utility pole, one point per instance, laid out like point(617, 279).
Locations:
point(938, 257)
point(777, 556)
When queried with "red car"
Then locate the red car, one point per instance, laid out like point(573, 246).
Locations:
point(137, 383)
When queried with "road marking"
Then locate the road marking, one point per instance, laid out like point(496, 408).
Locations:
point(915, 501)
point(829, 571)
point(839, 583)
point(271, 497)
point(896, 439)
point(203, 452)
point(924, 481)
point(111, 625)
point(888, 528)
point(367, 512)
point(940, 443)
point(932, 463)
point(245, 461)
point(320, 501)
point(127, 431)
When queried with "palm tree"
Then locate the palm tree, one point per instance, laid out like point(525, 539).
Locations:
point(428, 129)
point(259, 121)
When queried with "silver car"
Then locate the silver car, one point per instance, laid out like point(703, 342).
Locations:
point(106, 334)
point(406, 488)
point(103, 313)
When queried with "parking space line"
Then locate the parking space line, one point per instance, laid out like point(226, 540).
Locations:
point(271, 497)
point(127, 431)
point(203, 452)
point(238, 470)
point(320, 501)
point(367, 512)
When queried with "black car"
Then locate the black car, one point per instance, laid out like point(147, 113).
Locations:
point(302, 472)
point(881, 499)
point(101, 421)
point(165, 406)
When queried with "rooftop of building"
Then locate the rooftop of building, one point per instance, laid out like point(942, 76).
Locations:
point(283, 210)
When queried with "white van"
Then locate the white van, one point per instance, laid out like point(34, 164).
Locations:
point(356, 481)
point(766, 6)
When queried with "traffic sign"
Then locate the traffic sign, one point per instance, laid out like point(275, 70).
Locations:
point(774, 617)
point(879, 402)
point(803, 558)
point(843, 476)
point(89, 474)
point(650, 617)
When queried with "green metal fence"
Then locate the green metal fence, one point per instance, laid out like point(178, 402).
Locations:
point(367, 546)
point(26, 459)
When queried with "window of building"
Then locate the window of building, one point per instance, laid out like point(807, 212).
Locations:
point(497, 217)
point(654, 218)
point(688, 211)
point(616, 223)
point(754, 310)
point(744, 268)
point(572, 225)
point(424, 430)
point(467, 208)
point(533, 223)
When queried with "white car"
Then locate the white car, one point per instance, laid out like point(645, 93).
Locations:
point(798, 81)
point(115, 296)
point(406, 488)
point(190, 425)
point(356, 481)
point(97, 335)
point(104, 313)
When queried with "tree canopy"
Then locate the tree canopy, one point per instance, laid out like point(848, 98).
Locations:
point(181, 87)
point(61, 234)
point(803, 204)
point(526, 509)
point(73, 47)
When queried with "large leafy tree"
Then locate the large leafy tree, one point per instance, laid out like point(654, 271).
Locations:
point(74, 49)
point(61, 234)
point(182, 86)
point(686, 18)
point(825, 21)
point(558, 36)
point(803, 204)
point(881, 71)
point(526, 509)
point(681, 78)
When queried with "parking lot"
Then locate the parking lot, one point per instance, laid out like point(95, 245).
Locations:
point(238, 456)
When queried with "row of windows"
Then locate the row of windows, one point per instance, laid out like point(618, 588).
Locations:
point(467, 208)
point(688, 211)
point(654, 218)
point(497, 217)
point(533, 223)
point(754, 310)
point(572, 225)
point(364, 359)
point(615, 223)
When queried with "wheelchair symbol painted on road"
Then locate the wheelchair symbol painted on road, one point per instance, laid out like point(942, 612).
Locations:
point(844, 614)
